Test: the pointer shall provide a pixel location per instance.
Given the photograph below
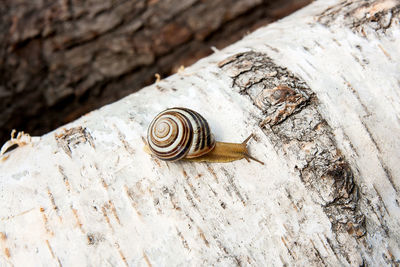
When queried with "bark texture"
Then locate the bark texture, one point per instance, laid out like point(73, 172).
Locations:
point(61, 59)
point(320, 92)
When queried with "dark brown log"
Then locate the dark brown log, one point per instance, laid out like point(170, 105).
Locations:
point(61, 59)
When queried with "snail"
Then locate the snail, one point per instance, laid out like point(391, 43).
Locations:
point(181, 133)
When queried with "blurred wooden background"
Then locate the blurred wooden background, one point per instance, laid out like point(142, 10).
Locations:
point(62, 59)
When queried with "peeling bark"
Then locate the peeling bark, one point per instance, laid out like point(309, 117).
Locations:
point(322, 101)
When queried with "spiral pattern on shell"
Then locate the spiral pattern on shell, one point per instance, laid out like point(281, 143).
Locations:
point(177, 133)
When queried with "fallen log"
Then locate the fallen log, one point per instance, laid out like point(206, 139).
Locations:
point(319, 91)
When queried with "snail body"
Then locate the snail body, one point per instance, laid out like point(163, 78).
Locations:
point(181, 133)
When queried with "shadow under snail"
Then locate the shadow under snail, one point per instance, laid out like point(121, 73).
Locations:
point(181, 133)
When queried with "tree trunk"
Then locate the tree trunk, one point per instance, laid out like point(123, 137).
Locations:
point(62, 59)
point(319, 90)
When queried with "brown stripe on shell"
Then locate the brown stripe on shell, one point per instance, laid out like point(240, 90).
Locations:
point(205, 139)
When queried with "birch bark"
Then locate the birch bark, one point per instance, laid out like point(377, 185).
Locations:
point(320, 91)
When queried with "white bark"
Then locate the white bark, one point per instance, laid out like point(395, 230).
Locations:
point(329, 193)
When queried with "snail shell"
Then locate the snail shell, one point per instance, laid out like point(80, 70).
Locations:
point(178, 133)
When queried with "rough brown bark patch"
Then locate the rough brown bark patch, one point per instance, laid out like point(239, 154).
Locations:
point(71, 138)
point(360, 14)
point(302, 136)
